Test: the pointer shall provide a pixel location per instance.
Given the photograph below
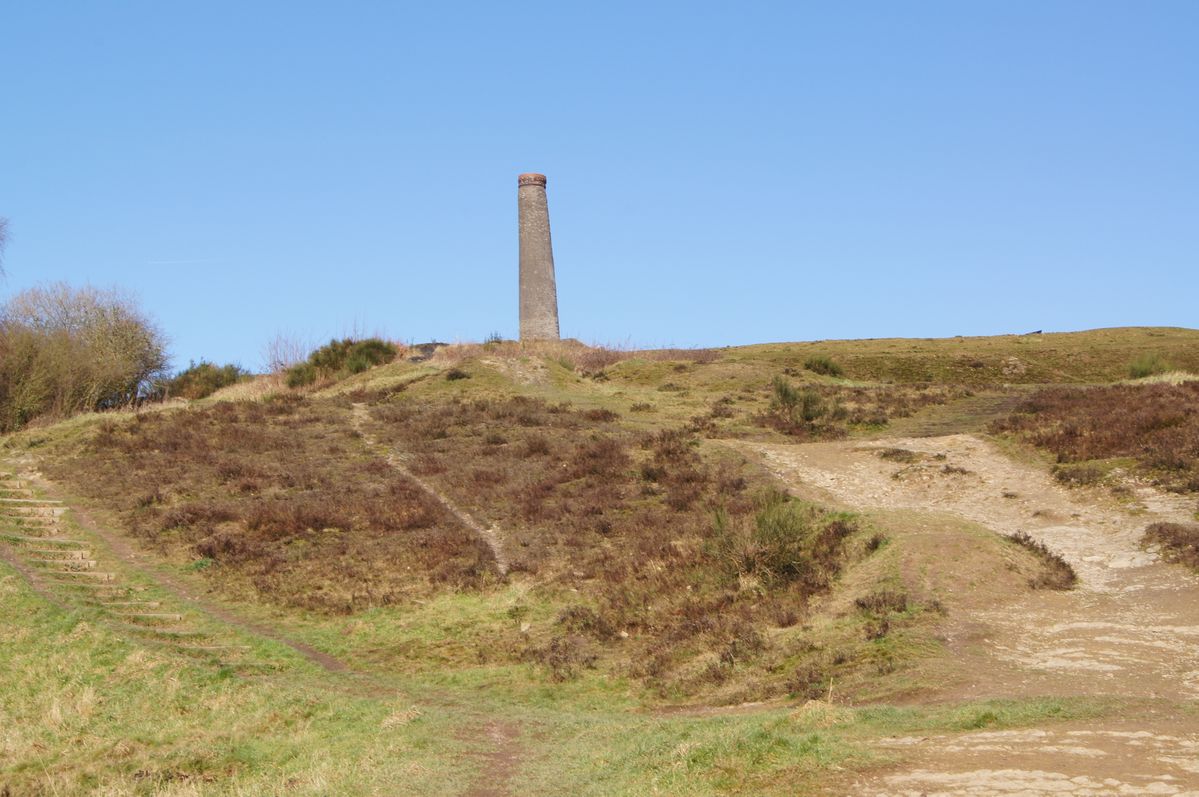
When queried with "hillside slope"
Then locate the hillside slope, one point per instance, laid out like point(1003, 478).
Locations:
point(572, 541)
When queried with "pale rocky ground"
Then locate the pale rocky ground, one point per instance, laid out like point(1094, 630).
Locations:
point(1130, 629)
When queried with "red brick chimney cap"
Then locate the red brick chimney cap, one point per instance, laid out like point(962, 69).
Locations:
point(531, 178)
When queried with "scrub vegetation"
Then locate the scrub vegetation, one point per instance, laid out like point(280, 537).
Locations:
point(1151, 428)
point(338, 359)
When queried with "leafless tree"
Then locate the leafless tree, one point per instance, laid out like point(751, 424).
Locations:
point(66, 350)
point(283, 351)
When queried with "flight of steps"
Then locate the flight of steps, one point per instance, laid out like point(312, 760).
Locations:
point(34, 531)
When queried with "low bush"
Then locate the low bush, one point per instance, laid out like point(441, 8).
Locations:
point(883, 602)
point(830, 411)
point(1147, 365)
point(340, 358)
point(786, 541)
point(900, 455)
point(1078, 475)
point(203, 379)
point(565, 657)
point(795, 406)
point(824, 365)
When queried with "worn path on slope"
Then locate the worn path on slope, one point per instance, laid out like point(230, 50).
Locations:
point(490, 535)
point(1130, 629)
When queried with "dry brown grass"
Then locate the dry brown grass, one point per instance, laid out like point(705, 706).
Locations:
point(277, 498)
point(1157, 425)
point(571, 354)
point(614, 528)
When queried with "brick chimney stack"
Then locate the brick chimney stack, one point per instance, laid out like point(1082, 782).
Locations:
point(538, 292)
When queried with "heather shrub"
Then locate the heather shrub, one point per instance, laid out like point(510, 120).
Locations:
point(1179, 541)
point(1157, 425)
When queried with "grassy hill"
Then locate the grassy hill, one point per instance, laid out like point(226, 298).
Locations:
point(645, 566)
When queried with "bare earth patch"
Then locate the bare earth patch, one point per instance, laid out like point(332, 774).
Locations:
point(1066, 761)
point(1129, 629)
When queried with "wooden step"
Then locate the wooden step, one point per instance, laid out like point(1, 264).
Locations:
point(47, 502)
point(19, 517)
point(162, 633)
point(65, 565)
point(148, 618)
point(25, 540)
point(30, 520)
point(31, 530)
point(95, 590)
point(126, 604)
point(16, 492)
point(90, 575)
point(27, 510)
point(58, 553)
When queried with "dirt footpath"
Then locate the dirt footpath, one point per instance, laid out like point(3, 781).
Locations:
point(1129, 629)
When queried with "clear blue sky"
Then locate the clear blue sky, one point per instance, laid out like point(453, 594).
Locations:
point(719, 173)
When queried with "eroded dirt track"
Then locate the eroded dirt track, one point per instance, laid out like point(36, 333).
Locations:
point(1130, 628)
point(1071, 762)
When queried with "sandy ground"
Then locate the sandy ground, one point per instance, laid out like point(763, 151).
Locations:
point(1129, 629)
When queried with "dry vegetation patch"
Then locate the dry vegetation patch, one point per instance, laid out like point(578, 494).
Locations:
point(1156, 425)
point(647, 554)
point(670, 561)
point(1179, 542)
point(831, 411)
point(278, 497)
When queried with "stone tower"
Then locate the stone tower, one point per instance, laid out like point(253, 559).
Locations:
point(538, 293)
